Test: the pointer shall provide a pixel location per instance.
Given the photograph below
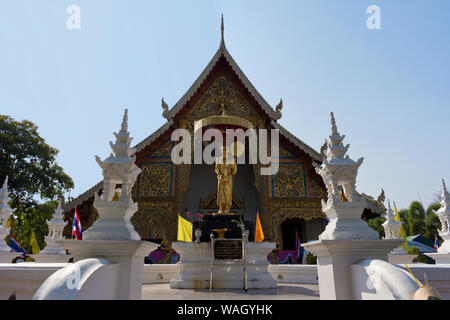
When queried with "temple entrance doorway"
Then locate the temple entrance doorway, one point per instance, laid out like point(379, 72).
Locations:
point(288, 228)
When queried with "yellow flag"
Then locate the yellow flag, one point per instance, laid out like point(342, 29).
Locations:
point(34, 244)
point(401, 231)
point(184, 230)
point(259, 234)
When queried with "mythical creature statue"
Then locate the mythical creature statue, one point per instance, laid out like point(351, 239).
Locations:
point(278, 109)
point(165, 108)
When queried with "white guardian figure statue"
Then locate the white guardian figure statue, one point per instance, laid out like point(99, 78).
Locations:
point(119, 170)
point(344, 206)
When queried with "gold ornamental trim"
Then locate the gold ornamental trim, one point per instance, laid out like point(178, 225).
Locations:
point(222, 120)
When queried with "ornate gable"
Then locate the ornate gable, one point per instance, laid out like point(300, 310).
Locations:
point(222, 90)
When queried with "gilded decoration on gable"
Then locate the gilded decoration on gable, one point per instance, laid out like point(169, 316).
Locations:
point(318, 191)
point(222, 92)
point(155, 180)
point(163, 151)
point(285, 153)
point(289, 181)
point(156, 216)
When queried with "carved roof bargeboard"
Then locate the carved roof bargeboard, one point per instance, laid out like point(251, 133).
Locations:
point(222, 52)
point(297, 142)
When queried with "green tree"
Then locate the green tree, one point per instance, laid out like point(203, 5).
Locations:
point(416, 220)
point(31, 219)
point(34, 176)
point(432, 221)
point(376, 224)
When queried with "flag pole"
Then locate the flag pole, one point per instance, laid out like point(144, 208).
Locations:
point(413, 276)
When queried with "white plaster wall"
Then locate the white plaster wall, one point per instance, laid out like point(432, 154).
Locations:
point(25, 278)
point(294, 273)
point(159, 273)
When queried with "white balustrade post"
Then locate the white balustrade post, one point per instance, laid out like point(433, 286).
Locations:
point(347, 239)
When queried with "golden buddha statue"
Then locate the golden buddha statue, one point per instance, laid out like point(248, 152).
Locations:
point(225, 172)
point(342, 194)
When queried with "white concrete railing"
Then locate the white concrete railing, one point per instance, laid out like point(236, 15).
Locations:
point(283, 273)
point(294, 273)
point(93, 279)
point(374, 279)
point(159, 273)
point(25, 278)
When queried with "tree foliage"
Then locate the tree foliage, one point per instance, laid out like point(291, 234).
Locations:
point(31, 219)
point(415, 220)
point(34, 176)
point(29, 162)
point(376, 224)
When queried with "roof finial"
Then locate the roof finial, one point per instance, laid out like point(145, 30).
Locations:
point(222, 41)
point(444, 188)
point(124, 125)
point(333, 124)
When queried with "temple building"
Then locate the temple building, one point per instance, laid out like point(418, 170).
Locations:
point(287, 201)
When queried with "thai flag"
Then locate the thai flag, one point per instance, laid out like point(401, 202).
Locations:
point(77, 232)
point(15, 245)
point(298, 248)
point(436, 242)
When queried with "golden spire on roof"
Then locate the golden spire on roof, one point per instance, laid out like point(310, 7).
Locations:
point(222, 41)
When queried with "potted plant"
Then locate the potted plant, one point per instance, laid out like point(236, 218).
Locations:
point(241, 225)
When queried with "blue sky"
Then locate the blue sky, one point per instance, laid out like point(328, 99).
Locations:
point(389, 88)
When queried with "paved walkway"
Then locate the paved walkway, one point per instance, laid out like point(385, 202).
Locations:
point(285, 291)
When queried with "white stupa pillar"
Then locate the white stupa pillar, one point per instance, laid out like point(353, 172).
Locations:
point(392, 231)
point(443, 253)
point(112, 236)
point(53, 251)
point(347, 239)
